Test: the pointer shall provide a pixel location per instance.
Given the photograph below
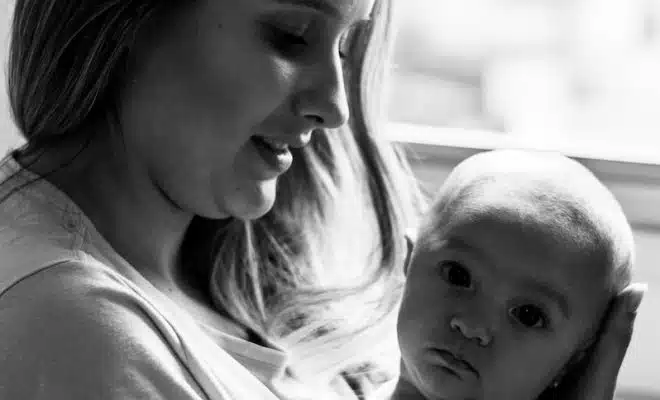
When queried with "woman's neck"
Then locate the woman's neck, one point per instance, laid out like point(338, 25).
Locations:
point(133, 214)
point(117, 194)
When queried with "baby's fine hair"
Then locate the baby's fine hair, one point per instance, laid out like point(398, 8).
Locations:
point(550, 190)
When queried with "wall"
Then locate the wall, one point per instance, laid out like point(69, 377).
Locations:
point(8, 135)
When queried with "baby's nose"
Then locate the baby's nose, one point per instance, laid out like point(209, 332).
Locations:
point(471, 331)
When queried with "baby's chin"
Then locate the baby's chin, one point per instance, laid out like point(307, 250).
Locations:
point(406, 391)
point(437, 386)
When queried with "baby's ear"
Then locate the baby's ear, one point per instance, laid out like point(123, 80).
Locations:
point(410, 247)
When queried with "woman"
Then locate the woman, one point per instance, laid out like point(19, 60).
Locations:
point(134, 261)
point(161, 128)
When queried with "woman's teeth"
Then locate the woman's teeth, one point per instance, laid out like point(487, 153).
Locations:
point(276, 144)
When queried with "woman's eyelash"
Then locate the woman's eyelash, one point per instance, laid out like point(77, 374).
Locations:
point(285, 42)
point(292, 38)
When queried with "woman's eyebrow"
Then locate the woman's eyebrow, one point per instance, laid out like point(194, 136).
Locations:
point(320, 5)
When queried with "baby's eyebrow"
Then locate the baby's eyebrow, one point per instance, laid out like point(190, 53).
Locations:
point(458, 244)
point(550, 292)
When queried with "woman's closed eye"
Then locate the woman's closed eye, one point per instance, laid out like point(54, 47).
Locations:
point(290, 42)
point(530, 316)
point(455, 274)
point(348, 38)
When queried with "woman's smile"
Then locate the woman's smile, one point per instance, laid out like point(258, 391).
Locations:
point(276, 157)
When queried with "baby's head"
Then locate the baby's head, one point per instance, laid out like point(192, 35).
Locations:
point(512, 273)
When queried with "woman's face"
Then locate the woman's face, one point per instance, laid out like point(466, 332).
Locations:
point(219, 95)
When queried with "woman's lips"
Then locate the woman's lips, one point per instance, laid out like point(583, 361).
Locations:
point(275, 151)
point(277, 158)
point(274, 144)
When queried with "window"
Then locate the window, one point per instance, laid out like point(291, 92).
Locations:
point(578, 76)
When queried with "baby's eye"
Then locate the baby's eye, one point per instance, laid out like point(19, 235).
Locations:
point(530, 316)
point(455, 274)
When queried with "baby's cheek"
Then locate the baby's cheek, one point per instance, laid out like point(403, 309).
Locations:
point(419, 318)
point(523, 370)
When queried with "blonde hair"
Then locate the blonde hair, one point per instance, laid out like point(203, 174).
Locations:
point(342, 208)
point(321, 274)
point(66, 62)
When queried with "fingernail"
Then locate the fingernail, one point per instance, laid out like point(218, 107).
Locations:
point(637, 293)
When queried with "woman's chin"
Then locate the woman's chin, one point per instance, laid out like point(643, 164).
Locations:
point(254, 203)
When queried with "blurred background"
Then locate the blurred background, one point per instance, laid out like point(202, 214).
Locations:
point(585, 70)
point(579, 76)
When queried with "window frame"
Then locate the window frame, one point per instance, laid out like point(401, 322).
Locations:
point(634, 178)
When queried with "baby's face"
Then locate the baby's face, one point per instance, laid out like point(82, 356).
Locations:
point(495, 310)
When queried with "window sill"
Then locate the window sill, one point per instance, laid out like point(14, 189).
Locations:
point(633, 176)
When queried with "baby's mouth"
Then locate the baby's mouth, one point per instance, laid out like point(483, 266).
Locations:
point(454, 362)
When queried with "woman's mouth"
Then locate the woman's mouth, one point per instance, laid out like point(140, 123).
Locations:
point(273, 144)
point(274, 153)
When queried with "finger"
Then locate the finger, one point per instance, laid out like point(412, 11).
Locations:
point(604, 363)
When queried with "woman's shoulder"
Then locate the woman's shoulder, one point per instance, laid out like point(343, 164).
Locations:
point(62, 292)
point(72, 331)
point(68, 299)
point(25, 252)
point(30, 204)
point(72, 299)
point(39, 225)
point(81, 330)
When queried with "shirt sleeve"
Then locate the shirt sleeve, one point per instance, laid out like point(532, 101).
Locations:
point(69, 332)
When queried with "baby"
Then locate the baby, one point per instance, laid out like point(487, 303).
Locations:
point(512, 273)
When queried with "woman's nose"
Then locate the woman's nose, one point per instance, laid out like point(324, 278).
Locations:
point(322, 97)
point(471, 330)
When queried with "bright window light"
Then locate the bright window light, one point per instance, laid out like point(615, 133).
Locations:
point(582, 74)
